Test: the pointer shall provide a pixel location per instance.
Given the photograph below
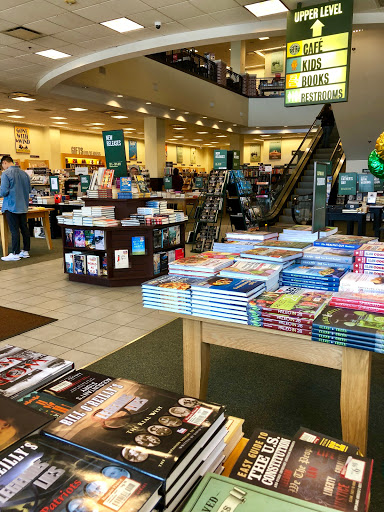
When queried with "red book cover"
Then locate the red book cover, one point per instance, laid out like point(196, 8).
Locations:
point(362, 306)
point(272, 318)
point(288, 329)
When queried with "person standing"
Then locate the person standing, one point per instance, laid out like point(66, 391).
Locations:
point(327, 123)
point(177, 181)
point(15, 189)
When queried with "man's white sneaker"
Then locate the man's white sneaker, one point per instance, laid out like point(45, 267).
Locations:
point(24, 254)
point(11, 257)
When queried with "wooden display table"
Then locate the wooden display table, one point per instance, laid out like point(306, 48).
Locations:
point(182, 202)
point(33, 213)
point(355, 365)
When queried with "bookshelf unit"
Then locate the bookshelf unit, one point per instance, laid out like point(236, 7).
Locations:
point(141, 267)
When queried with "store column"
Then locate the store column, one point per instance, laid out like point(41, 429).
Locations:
point(238, 57)
point(154, 138)
point(53, 147)
point(236, 141)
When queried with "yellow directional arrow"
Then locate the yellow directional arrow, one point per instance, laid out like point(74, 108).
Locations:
point(317, 28)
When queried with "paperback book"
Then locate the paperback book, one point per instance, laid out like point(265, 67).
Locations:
point(246, 269)
point(358, 323)
point(45, 403)
point(344, 241)
point(243, 288)
point(79, 263)
point(362, 283)
point(99, 240)
point(69, 237)
point(310, 436)
point(93, 265)
point(198, 264)
point(251, 235)
point(371, 250)
point(79, 238)
point(318, 273)
point(146, 429)
point(296, 468)
point(17, 422)
point(282, 244)
point(61, 477)
point(329, 254)
point(89, 239)
point(271, 254)
point(69, 262)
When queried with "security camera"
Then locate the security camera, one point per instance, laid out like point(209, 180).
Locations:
point(158, 25)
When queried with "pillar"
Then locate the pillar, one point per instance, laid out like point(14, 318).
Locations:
point(154, 138)
point(238, 57)
point(236, 141)
point(53, 147)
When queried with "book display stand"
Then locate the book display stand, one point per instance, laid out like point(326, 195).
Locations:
point(209, 212)
point(244, 212)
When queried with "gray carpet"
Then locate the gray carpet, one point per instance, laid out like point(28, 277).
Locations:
point(268, 392)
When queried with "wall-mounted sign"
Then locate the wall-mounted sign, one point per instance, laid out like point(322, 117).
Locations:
point(255, 150)
point(132, 147)
point(193, 156)
point(318, 53)
point(115, 152)
point(220, 159)
point(22, 140)
point(179, 154)
point(347, 183)
point(275, 150)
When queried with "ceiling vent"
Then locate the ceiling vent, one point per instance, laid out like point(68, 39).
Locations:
point(26, 34)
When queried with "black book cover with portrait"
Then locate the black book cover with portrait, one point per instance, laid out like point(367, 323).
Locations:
point(41, 474)
point(317, 474)
point(349, 321)
point(152, 430)
point(17, 422)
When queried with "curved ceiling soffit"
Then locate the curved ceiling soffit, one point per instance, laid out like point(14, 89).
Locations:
point(169, 42)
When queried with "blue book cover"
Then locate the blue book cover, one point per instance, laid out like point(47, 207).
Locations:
point(138, 246)
point(205, 314)
point(125, 184)
point(329, 335)
point(230, 286)
point(173, 283)
point(370, 348)
point(329, 254)
point(359, 323)
point(318, 263)
point(326, 274)
point(343, 241)
point(307, 283)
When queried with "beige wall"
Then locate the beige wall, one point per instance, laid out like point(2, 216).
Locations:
point(287, 146)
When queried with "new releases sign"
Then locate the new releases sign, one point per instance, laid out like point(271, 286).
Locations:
point(22, 140)
point(115, 152)
point(318, 54)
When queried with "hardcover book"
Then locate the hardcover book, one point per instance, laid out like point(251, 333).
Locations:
point(79, 238)
point(350, 321)
point(318, 273)
point(296, 468)
point(157, 239)
point(172, 235)
point(79, 263)
point(69, 262)
point(271, 254)
point(93, 265)
point(146, 429)
point(45, 403)
point(16, 422)
point(69, 237)
point(163, 261)
point(121, 259)
point(156, 264)
point(329, 254)
point(89, 238)
point(138, 246)
point(344, 241)
point(61, 477)
point(165, 238)
point(99, 240)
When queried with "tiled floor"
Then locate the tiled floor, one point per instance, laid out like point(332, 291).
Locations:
point(92, 320)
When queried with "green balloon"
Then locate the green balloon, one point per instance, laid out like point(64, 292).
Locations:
point(376, 165)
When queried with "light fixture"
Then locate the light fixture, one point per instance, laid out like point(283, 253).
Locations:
point(10, 110)
point(121, 25)
point(285, 126)
point(205, 117)
point(53, 54)
point(266, 8)
point(260, 53)
point(24, 98)
point(220, 136)
point(221, 121)
point(265, 135)
point(120, 117)
point(197, 140)
point(234, 125)
point(201, 133)
point(78, 109)
point(59, 122)
point(186, 112)
point(263, 38)
point(148, 103)
point(179, 128)
point(172, 109)
point(119, 96)
point(17, 117)
point(96, 124)
point(130, 129)
point(172, 139)
point(179, 136)
point(58, 118)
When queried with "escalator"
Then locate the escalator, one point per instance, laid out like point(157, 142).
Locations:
point(296, 187)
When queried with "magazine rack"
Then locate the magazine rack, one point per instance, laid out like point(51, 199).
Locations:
point(355, 365)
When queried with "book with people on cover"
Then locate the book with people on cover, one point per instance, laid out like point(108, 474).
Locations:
point(47, 475)
point(17, 422)
point(319, 475)
point(147, 429)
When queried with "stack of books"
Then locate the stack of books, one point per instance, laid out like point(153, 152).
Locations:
point(148, 435)
point(328, 256)
point(350, 328)
point(23, 370)
point(359, 301)
point(285, 244)
point(105, 223)
point(251, 235)
point(131, 221)
point(234, 246)
point(100, 193)
point(369, 259)
point(160, 205)
point(316, 277)
point(344, 241)
point(362, 283)
point(224, 299)
point(283, 257)
point(247, 269)
point(287, 309)
point(196, 266)
point(169, 293)
point(299, 233)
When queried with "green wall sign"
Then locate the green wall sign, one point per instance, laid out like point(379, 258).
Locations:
point(366, 183)
point(115, 152)
point(319, 206)
point(347, 183)
point(220, 159)
point(318, 53)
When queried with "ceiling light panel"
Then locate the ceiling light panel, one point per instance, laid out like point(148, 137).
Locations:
point(78, 109)
point(53, 54)
point(122, 25)
point(24, 98)
point(266, 8)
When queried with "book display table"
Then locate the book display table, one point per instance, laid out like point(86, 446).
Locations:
point(355, 365)
point(34, 213)
point(350, 219)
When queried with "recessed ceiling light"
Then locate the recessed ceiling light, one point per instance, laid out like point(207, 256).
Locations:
point(207, 144)
point(186, 112)
point(9, 110)
point(265, 135)
point(59, 122)
point(148, 103)
point(179, 136)
point(205, 117)
point(119, 96)
point(221, 121)
point(130, 129)
point(201, 133)
point(179, 128)
point(263, 38)
point(53, 54)
point(58, 118)
point(220, 135)
point(172, 139)
point(196, 140)
point(257, 126)
point(96, 124)
point(24, 98)
point(17, 117)
point(120, 117)
point(266, 8)
point(78, 109)
point(172, 109)
point(234, 125)
point(121, 25)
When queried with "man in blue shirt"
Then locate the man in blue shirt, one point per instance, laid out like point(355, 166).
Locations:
point(15, 189)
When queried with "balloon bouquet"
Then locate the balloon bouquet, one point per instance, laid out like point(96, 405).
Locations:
point(376, 158)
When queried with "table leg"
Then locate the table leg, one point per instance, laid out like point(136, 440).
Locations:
point(47, 230)
point(361, 225)
point(350, 226)
point(354, 396)
point(4, 234)
point(196, 359)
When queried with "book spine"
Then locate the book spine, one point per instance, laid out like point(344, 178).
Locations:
point(362, 306)
point(327, 329)
point(348, 344)
point(298, 325)
point(324, 257)
point(375, 261)
point(352, 339)
point(287, 328)
point(303, 314)
point(268, 317)
point(308, 262)
point(367, 266)
point(335, 245)
point(355, 288)
point(369, 254)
